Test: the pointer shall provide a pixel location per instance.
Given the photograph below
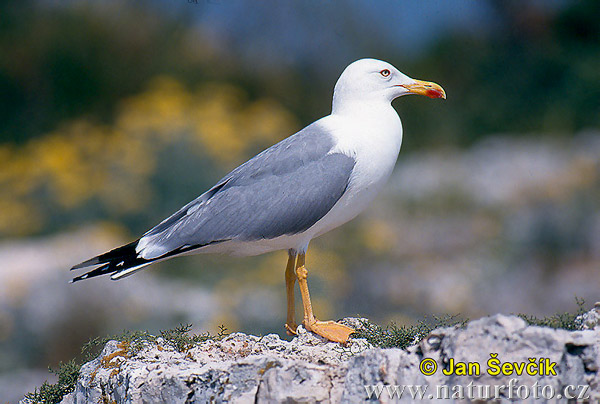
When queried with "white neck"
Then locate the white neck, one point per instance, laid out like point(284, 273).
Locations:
point(352, 107)
point(369, 126)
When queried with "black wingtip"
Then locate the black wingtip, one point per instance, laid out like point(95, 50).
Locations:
point(122, 261)
point(101, 270)
point(88, 263)
point(124, 252)
point(80, 278)
point(118, 260)
point(76, 279)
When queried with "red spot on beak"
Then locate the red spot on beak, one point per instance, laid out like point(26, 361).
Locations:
point(433, 93)
point(426, 88)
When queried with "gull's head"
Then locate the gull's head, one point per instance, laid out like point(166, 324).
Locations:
point(372, 80)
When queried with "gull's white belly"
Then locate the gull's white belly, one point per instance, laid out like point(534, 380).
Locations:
point(357, 198)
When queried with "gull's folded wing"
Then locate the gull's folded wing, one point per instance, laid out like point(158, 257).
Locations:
point(282, 191)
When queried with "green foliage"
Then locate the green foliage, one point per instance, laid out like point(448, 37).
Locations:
point(125, 169)
point(88, 57)
point(525, 77)
point(87, 133)
point(178, 338)
point(404, 336)
point(535, 71)
point(53, 393)
point(393, 336)
point(565, 321)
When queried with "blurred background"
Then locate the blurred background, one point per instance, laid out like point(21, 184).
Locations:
point(106, 108)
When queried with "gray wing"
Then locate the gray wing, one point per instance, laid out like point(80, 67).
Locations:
point(282, 191)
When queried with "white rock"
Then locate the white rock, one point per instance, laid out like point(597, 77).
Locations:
point(247, 369)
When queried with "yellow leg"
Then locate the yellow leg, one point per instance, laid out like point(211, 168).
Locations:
point(290, 282)
point(327, 329)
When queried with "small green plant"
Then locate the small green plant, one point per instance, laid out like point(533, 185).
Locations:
point(404, 336)
point(53, 393)
point(565, 321)
point(178, 338)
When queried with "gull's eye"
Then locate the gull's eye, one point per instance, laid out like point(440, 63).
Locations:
point(385, 72)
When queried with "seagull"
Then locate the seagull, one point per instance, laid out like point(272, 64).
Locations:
point(298, 189)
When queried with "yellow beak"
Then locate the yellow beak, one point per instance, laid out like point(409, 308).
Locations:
point(426, 88)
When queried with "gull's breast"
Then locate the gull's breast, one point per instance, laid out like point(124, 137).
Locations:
point(374, 144)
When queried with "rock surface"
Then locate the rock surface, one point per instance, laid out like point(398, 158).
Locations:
point(247, 369)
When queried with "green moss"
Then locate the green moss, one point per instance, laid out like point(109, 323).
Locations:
point(565, 321)
point(404, 336)
point(178, 338)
